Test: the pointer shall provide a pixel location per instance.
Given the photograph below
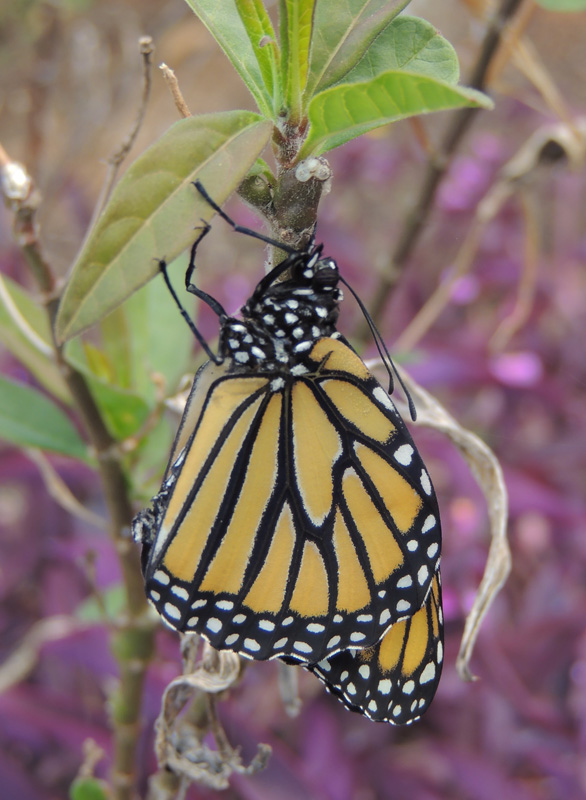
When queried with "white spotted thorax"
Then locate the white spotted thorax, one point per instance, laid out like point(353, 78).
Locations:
point(281, 323)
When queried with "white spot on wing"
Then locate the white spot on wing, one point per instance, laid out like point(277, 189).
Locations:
point(171, 611)
point(303, 647)
point(315, 627)
point(379, 394)
point(428, 673)
point(425, 482)
point(422, 575)
point(404, 454)
point(428, 524)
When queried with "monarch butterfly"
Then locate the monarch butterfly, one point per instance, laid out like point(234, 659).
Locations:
point(296, 519)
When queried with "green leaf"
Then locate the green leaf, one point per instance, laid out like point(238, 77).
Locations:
point(22, 323)
point(154, 208)
point(296, 21)
point(124, 412)
point(29, 419)
point(563, 5)
point(349, 110)
point(88, 789)
point(265, 45)
point(341, 36)
point(410, 44)
point(147, 336)
point(235, 28)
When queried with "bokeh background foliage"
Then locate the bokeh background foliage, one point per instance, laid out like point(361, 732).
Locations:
point(70, 86)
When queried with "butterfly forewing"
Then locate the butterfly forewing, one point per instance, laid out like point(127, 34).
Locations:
point(298, 519)
point(396, 679)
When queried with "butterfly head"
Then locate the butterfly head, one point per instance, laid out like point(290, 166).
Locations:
point(321, 274)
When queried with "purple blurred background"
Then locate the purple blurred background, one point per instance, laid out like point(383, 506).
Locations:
point(519, 732)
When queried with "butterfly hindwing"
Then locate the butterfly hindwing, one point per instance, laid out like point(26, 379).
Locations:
point(396, 679)
point(297, 518)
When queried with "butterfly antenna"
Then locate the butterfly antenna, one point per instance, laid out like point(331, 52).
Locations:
point(383, 352)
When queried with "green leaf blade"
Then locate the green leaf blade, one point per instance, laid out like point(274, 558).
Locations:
point(263, 40)
point(340, 40)
point(410, 44)
point(29, 419)
point(20, 314)
point(154, 209)
point(562, 5)
point(296, 29)
point(348, 110)
point(225, 23)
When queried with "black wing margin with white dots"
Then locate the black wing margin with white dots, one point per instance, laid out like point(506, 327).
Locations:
point(297, 519)
point(396, 680)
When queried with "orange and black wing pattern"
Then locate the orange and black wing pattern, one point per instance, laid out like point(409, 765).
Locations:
point(396, 679)
point(296, 519)
point(299, 519)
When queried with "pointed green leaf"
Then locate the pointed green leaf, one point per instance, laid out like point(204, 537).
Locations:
point(22, 322)
point(409, 44)
point(264, 43)
point(154, 209)
point(296, 24)
point(563, 5)
point(123, 410)
point(148, 337)
point(29, 419)
point(348, 110)
point(342, 35)
point(239, 42)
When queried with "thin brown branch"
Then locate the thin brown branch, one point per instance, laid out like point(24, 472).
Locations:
point(173, 85)
point(439, 163)
point(115, 160)
point(133, 638)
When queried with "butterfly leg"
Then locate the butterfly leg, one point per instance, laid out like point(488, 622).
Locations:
point(190, 285)
point(212, 356)
point(240, 228)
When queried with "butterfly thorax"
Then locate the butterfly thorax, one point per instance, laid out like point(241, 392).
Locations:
point(282, 322)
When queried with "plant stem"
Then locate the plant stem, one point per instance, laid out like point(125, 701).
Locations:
point(132, 637)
